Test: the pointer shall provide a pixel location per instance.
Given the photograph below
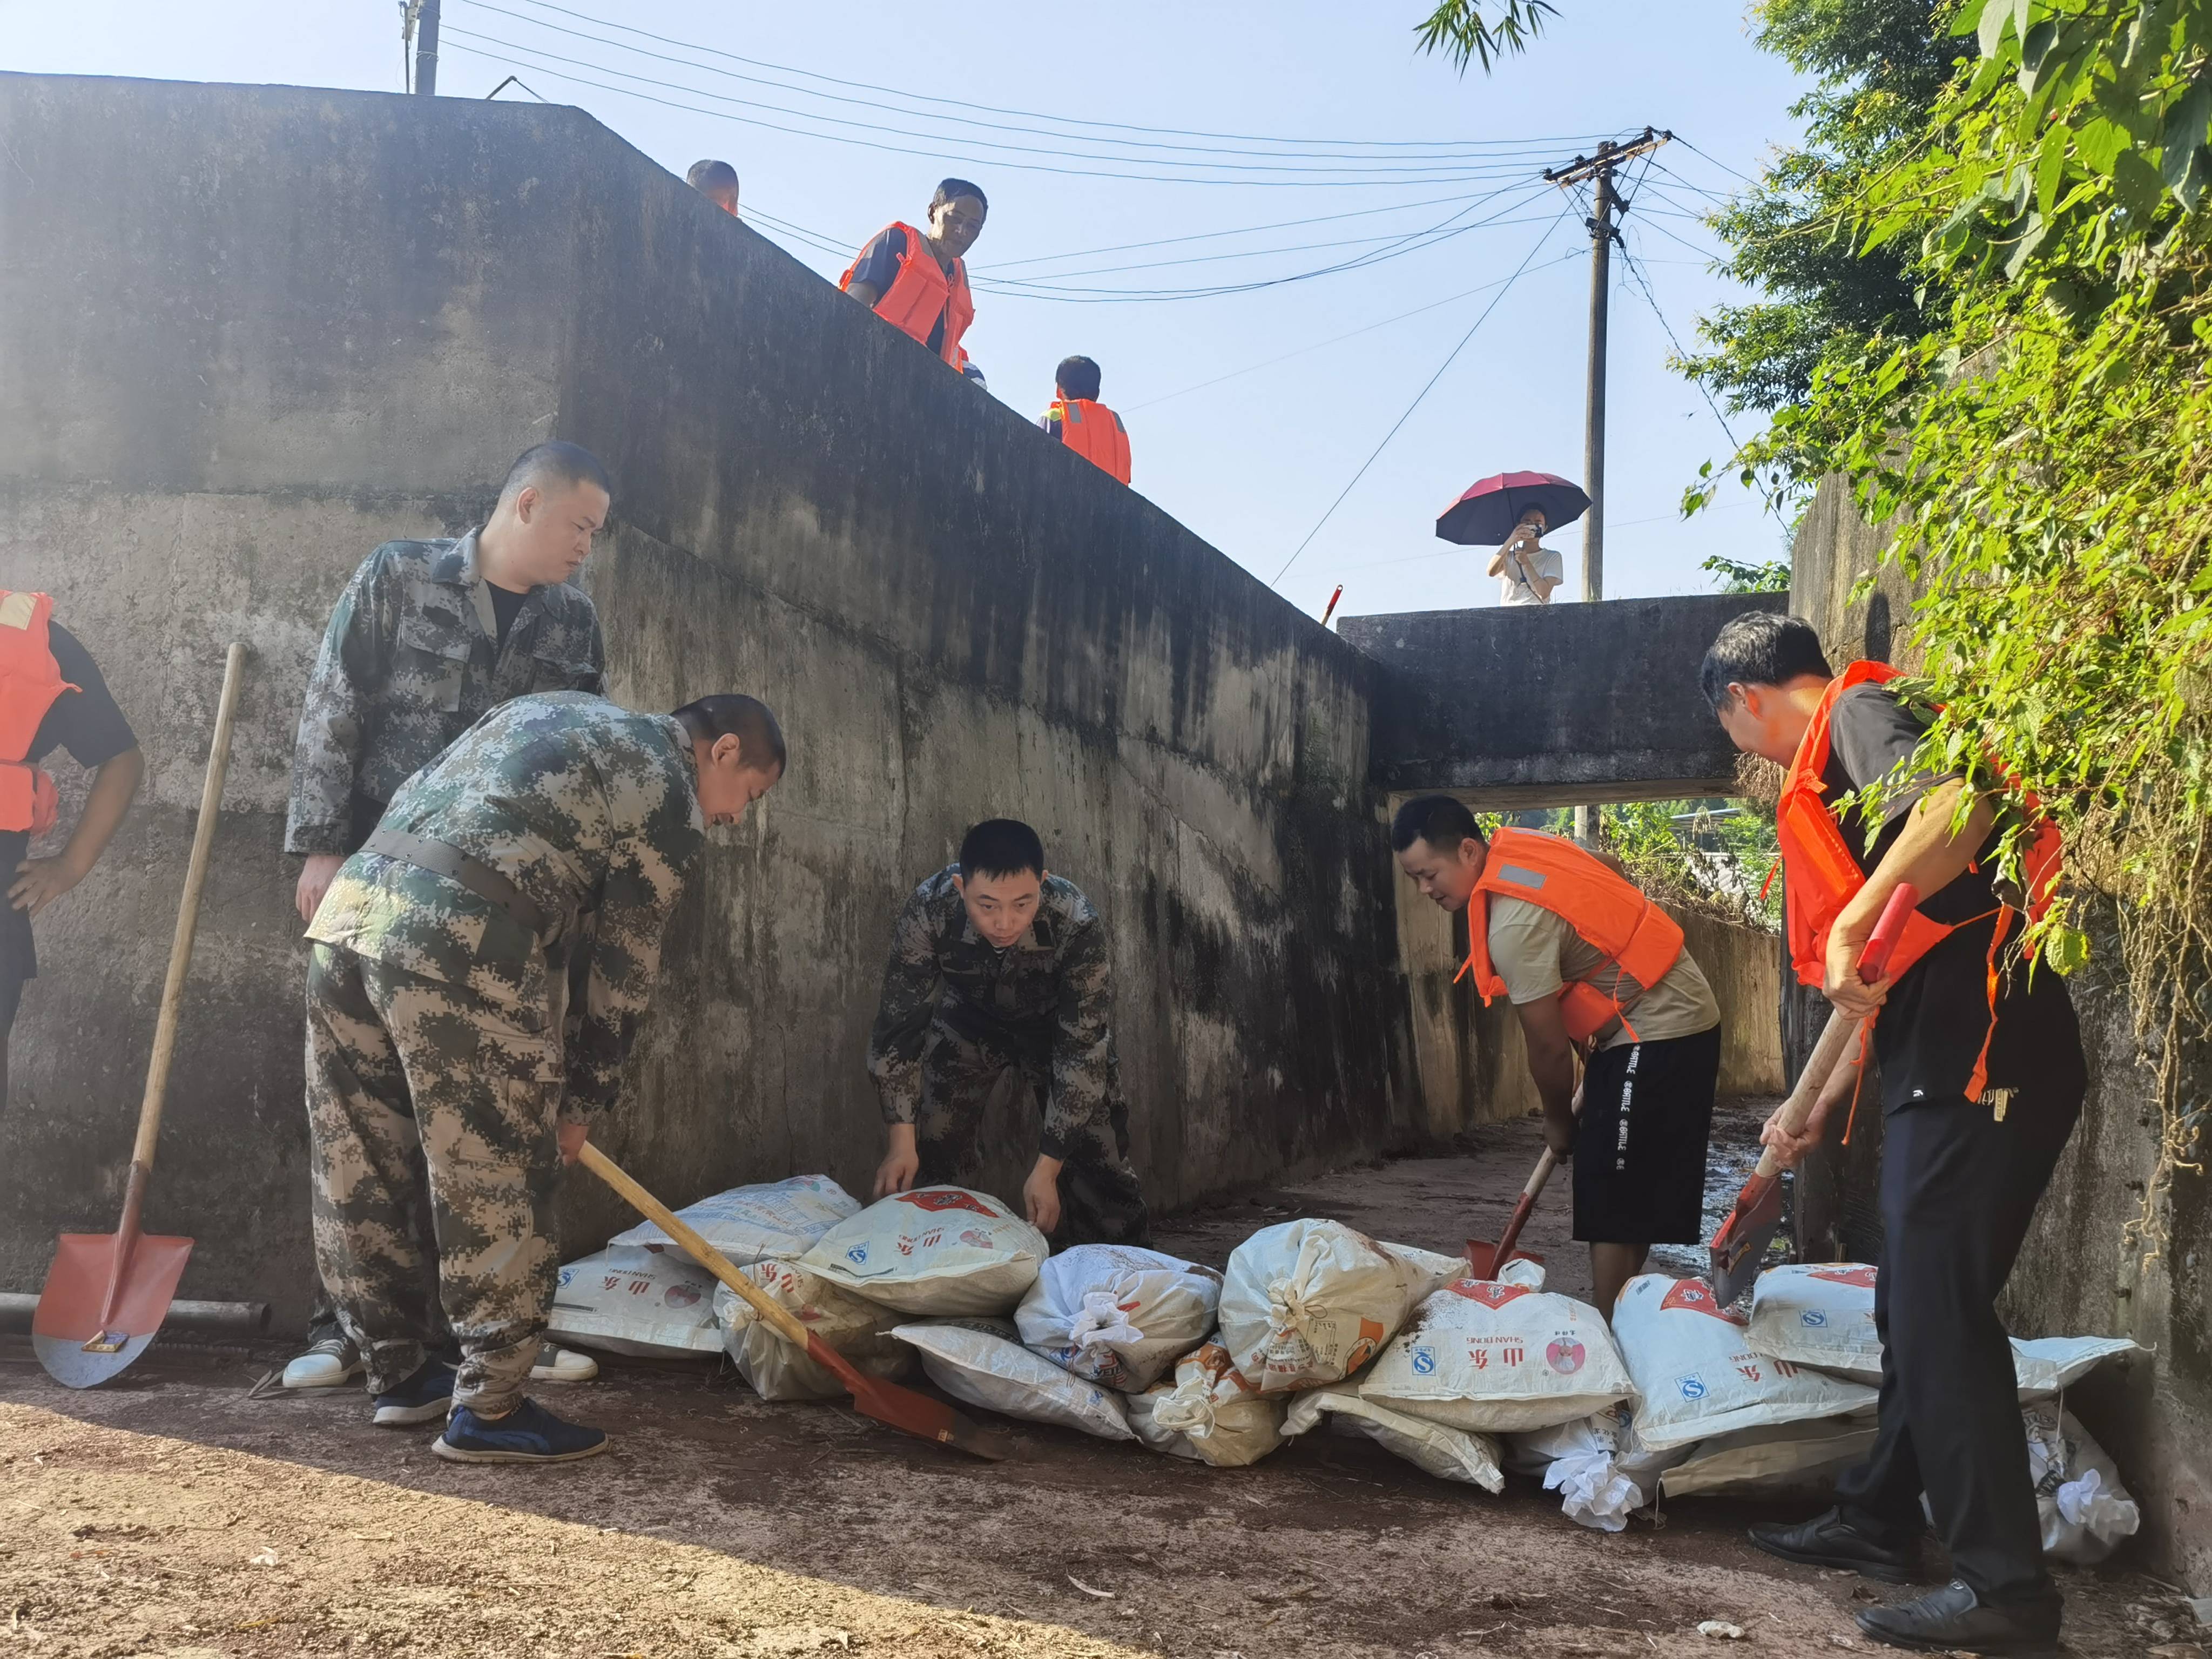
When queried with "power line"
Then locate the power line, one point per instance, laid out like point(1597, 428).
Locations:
point(1214, 235)
point(1036, 115)
point(1416, 403)
point(1717, 162)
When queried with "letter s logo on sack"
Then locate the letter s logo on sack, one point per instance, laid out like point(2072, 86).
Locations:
point(857, 1255)
point(1693, 1387)
point(1425, 1362)
point(1814, 1317)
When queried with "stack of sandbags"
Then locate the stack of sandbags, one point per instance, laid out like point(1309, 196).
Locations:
point(1116, 1314)
point(937, 1250)
point(1597, 1464)
point(1306, 1303)
point(643, 1295)
point(778, 1369)
point(1491, 1357)
point(982, 1361)
point(1208, 1413)
point(1447, 1453)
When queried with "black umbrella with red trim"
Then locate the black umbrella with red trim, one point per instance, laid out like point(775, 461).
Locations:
point(1485, 514)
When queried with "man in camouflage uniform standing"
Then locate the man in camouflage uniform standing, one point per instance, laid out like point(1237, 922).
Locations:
point(427, 637)
point(436, 1018)
point(999, 984)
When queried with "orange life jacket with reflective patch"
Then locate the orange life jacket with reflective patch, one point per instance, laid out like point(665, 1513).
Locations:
point(30, 680)
point(1822, 877)
point(1608, 912)
point(922, 293)
point(1094, 432)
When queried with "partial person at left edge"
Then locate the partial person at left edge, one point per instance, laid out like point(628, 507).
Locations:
point(52, 696)
point(427, 637)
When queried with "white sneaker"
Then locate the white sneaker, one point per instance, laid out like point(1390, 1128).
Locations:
point(327, 1365)
point(559, 1365)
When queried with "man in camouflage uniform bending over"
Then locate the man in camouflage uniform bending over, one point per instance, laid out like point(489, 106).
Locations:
point(999, 988)
point(436, 1020)
point(428, 636)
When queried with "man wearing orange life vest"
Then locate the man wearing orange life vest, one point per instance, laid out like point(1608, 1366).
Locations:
point(1591, 964)
point(916, 280)
point(52, 696)
point(1982, 1079)
point(1086, 426)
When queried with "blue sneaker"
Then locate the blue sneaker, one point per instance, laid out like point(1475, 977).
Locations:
point(423, 1398)
point(528, 1434)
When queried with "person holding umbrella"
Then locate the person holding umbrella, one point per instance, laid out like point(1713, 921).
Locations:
point(1512, 512)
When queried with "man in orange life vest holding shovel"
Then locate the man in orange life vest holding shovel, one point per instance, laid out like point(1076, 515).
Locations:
point(1982, 1079)
point(1591, 964)
point(917, 281)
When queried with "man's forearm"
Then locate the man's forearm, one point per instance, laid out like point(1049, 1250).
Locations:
point(1552, 1071)
point(113, 784)
point(1927, 853)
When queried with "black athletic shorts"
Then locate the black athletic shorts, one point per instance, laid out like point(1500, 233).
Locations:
point(1640, 1153)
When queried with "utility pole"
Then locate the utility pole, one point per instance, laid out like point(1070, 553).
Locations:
point(418, 26)
point(1598, 170)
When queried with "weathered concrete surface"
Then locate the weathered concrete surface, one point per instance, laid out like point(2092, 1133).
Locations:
point(245, 334)
point(1524, 706)
point(2073, 1277)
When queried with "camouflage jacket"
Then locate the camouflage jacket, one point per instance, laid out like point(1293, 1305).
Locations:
point(1050, 993)
point(593, 811)
point(408, 665)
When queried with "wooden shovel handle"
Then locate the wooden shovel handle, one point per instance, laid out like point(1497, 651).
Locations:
point(188, 917)
point(696, 1248)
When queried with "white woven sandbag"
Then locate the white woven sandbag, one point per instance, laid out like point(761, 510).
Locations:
point(650, 1300)
point(1210, 1412)
point(1117, 1313)
point(2085, 1511)
point(2047, 1365)
point(752, 1223)
point(1696, 1377)
point(781, 1370)
point(1307, 1302)
point(982, 1362)
point(1489, 1357)
point(1817, 1314)
point(1784, 1460)
point(1447, 1454)
point(942, 1250)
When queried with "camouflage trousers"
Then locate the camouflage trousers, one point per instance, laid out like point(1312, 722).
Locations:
point(964, 1083)
point(426, 1103)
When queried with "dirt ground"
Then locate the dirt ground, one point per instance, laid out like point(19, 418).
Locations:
point(168, 1514)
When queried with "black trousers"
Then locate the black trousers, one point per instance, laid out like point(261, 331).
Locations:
point(1958, 1190)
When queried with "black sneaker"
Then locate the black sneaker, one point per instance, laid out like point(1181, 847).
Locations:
point(528, 1434)
point(423, 1398)
point(1954, 1619)
point(1829, 1541)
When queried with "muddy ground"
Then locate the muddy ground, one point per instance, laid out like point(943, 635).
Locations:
point(169, 1514)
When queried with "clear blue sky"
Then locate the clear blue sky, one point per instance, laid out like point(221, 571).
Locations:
point(1253, 462)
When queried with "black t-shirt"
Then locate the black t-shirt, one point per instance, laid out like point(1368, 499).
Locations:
point(879, 267)
point(1932, 1028)
point(86, 723)
point(505, 607)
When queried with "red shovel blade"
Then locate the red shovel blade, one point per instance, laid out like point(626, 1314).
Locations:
point(1739, 1248)
point(77, 1345)
point(1482, 1261)
point(904, 1409)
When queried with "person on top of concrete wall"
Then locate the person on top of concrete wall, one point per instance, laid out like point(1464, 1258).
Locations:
point(1528, 572)
point(550, 843)
point(428, 636)
point(917, 281)
point(52, 696)
point(1983, 1078)
point(1086, 426)
point(998, 987)
point(1591, 965)
point(717, 182)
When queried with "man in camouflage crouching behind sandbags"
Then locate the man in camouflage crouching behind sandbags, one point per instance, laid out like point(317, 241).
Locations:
point(438, 1040)
point(999, 990)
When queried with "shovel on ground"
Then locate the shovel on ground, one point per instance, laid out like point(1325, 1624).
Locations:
point(1740, 1244)
point(106, 1293)
point(887, 1402)
point(1484, 1258)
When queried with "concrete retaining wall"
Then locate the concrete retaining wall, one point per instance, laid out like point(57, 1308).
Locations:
point(245, 334)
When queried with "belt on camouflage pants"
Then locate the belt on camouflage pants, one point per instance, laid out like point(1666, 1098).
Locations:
point(479, 878)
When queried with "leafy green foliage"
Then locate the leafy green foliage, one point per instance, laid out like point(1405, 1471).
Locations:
point(1737, 577)
point(1709, 855)
point(1467, 32)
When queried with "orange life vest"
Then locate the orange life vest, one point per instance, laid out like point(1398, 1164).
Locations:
point(1822, 877)
point(1094, 432)
point(30, 680)
point(1608, 912)
point(922, 293)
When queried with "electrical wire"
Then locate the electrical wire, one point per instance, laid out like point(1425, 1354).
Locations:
point(1445, 147)
point(1715, 161)
point(1417, 397)
point(1636, 270)
point(1214, 235)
